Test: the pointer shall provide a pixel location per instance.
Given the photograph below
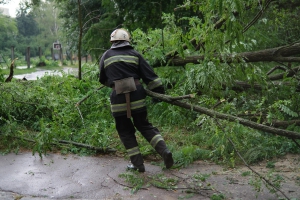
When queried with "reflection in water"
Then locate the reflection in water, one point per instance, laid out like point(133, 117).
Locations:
point(41, 73)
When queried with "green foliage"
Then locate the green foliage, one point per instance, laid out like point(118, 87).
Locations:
point(137, 181)
point(246, 173)
point(27, 26)
point(275, 179)
point(49, 63)
point(44, 110)
point(218, 197)
point(8, 32)
point(36, 26)
point(136, 14)
point(97, 20)
point(280, 109)
point(161, 181)
point(270, 164)
point(50, 27)
point(188, 154)
point(47, 106)
point(133, 178)
point(43, 139)
point(201, 177)
point(256, 183)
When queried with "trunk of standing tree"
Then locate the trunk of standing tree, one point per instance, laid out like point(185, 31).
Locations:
point(79, 39)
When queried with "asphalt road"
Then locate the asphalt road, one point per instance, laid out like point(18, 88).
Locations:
point(28, 177)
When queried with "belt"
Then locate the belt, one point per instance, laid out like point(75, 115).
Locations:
point(136, 81)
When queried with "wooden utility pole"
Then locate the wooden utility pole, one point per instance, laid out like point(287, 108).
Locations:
point(13, 54)
point(61, 55)
point(79, 38)
point(52, 54)
point(28, 57)
point(71, 56)
point(40, 53)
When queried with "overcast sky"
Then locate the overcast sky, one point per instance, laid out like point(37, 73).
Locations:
point(13, 5)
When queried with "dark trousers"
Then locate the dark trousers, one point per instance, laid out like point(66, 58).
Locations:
point(126, 128)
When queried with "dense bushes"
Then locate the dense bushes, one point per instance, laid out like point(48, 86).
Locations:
point(45, 112)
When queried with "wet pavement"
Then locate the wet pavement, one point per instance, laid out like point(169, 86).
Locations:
point(60, 177)
point(28, 177)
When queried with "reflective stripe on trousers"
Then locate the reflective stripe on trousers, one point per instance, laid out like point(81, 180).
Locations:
point(123, 107)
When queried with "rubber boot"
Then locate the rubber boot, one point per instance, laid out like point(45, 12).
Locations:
point(137, 163)
point(162, 149)
point(140, 168)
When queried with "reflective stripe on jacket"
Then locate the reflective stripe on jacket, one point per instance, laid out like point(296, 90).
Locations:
point(124, 62)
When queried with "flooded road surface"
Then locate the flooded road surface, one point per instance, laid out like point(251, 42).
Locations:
point(41, 72)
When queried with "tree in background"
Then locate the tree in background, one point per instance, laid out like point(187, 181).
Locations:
point(4, 1)
point(100, 18)
point(37, 26)
point(49, 25)
point(28, 30)
point(26, 23)
point(94, 28)
point(8, 33)
point(147, 14)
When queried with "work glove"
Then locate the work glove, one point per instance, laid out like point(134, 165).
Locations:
point(160, 90)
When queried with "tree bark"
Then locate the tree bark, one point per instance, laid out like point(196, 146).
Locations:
point(279, 54)
point(289, 73)
point(284, 124)
point(80, 38)
point(212, 113)
point(11, 72)
point(241, 86)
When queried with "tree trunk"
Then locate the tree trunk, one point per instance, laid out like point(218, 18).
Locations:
point(80, 38)
point(279, 54)
point(289, 73)
point(11, 72)
point(214, 114)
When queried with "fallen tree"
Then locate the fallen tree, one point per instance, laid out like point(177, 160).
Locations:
point(278, 54)
point(197, 45)
point(212, 113)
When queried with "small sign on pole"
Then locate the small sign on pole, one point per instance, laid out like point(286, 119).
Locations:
point(56, 46)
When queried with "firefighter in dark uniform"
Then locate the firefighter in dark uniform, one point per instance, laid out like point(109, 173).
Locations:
point(119, 63)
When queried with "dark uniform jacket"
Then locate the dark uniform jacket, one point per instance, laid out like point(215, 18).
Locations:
point(124, 62)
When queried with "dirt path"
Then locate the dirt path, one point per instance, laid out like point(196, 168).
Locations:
point(27, 177)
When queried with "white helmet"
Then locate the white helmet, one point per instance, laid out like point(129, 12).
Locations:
point(119, 34)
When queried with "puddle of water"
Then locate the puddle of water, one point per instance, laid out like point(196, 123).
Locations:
point(41, 73)
point(22, 67)
point(18, 67)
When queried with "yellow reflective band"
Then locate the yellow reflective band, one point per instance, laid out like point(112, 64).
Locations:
point(153, 84)
point(123, 107)
point(121, 58)
point(155, 140)
point(133, 151)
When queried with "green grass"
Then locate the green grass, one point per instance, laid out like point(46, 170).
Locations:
point(19, 71)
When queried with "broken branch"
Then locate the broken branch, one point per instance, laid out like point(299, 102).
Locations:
point(212, 113)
